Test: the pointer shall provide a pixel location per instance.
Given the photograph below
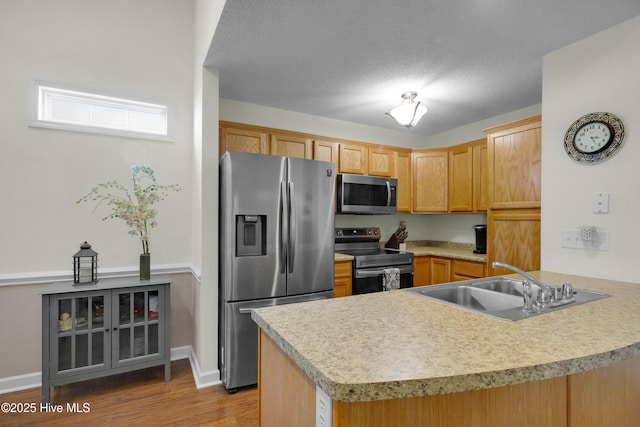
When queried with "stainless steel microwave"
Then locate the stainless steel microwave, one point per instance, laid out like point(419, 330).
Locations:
point(369, 195)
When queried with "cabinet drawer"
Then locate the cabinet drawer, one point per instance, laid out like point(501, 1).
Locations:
point(467, 269)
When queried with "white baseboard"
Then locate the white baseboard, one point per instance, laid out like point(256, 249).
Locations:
point(34, 379)
point(20, 382)
point(203, 379)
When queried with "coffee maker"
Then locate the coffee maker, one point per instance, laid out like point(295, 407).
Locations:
point(481, 239)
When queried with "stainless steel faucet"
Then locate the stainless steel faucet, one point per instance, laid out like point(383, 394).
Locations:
point(529, 277)
point(547, 295)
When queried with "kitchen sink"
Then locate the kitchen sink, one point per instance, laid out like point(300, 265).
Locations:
point(499, 297)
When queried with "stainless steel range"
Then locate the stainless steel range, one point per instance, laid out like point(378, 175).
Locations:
point(370, 260)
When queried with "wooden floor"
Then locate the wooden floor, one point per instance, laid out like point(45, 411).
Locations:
point(139, 399)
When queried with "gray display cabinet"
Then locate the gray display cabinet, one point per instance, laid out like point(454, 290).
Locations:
point(113, 326)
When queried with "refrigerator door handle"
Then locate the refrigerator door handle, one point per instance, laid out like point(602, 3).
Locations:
point(292, 227)
point(388, 193)
point(283, 230)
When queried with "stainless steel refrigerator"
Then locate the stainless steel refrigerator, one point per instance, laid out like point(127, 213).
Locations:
point(276, 247)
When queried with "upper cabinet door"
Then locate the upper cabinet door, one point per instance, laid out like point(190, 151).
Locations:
point(480, 178)
point(461, 179)
point(291, 146)
point(403, 175)
point(381, 162)
point(514, 159)
point(326, 151)
point(430, 180)
point(353, 159)
point(243, 140)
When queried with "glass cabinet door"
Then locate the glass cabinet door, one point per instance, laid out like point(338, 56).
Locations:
point(79, 335)
point(139, 333)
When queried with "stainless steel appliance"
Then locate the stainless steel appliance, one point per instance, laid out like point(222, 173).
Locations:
point(276, 247)
point(371, 195)
point(370, 260)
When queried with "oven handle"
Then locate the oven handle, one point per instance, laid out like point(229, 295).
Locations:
point(373, 272)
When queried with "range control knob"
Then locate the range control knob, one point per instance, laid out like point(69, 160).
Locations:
point(338, 232)
point(376, 231)
point(369, 232)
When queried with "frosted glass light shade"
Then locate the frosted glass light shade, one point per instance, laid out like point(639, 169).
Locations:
point(409, 112)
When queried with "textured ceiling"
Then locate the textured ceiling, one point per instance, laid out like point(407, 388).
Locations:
point(351, 60)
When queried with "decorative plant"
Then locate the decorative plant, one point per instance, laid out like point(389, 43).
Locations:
point(135, 209)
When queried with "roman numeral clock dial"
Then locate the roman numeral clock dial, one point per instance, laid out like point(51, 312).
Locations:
point(594, 137)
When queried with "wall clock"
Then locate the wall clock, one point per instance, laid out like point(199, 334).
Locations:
point(594, 137)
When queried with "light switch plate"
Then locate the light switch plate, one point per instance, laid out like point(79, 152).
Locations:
point(600, 203)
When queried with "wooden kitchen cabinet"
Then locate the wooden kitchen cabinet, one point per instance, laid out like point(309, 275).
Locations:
point(243, 140)
point(381, 162)
point(514, 161)
point(291, 146)
point(465, 270)
point(326, 151)
point(468, 177)
point(402, 161)
point(429, 270)
point(353, 159)
point(421, 270)
point(513, 237)
point(430, 180)
point(440, 270)
point(513, 217)
point(461, 178)
point(480, 177)
point(342, 279)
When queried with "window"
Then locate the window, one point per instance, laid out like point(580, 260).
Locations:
point(61, 107)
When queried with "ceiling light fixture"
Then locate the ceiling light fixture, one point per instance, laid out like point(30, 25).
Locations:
point(409, 112)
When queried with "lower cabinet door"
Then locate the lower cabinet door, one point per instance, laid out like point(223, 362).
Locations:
point(79, 334)
point(138, 331)
point(440, 270)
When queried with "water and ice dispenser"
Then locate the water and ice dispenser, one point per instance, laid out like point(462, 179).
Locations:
point(251, 235)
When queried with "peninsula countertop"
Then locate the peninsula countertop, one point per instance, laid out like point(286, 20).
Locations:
point(396, 344)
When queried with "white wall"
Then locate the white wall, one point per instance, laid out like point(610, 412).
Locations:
point(599, 73)
point(142, 48)
point(205, 202)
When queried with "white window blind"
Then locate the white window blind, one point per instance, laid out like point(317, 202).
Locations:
point(59, 107)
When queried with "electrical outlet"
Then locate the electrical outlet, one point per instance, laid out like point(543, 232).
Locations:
point(574, 238)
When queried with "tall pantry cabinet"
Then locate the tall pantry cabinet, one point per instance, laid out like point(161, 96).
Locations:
point(513, 217)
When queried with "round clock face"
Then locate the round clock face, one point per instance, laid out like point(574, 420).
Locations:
point(594, 137)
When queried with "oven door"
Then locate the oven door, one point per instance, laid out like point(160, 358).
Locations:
point(366, 280)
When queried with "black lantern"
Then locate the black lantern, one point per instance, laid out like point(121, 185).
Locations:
point(85, 265)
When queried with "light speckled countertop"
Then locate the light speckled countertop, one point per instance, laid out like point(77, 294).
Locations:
point(456, 250)
point(343, 257)
point(396, 344)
